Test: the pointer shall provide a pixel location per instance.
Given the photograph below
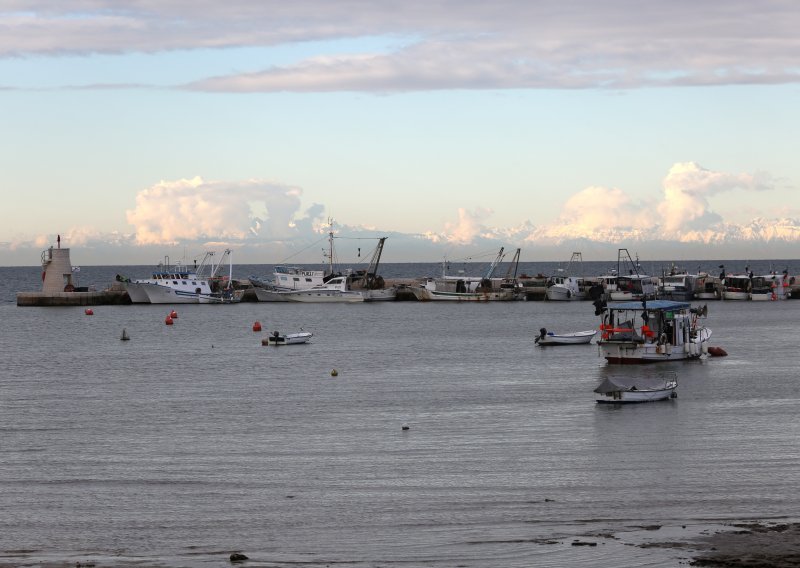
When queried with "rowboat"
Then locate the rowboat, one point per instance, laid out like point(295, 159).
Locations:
point(637, 389)
point(575, 338)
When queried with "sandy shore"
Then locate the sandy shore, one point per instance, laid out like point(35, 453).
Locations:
point(755, 545)
point(735, 545)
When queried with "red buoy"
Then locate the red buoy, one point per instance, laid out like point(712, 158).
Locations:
point(173, 314)
point(168, 321)
point(257, 326)
point(717, 352)
point(88, 312)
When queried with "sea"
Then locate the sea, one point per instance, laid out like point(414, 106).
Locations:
point(405, 434)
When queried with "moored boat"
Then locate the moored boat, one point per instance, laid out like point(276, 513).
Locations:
point(652, 331)
point(634, 285)
point(277, 338)
point(564, 285)
point(736, 286)
point(770, 287)
point(574, 338)
point(469, 288)
point(182, 284)
point(636, 389)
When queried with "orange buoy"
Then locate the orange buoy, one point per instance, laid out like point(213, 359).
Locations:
point(168, 321)
point(88, 312)
point(173, 314)
point(257, 326)
point(717, 352)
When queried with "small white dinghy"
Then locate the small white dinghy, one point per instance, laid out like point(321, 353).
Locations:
point(276, 338)
point(576, 338)
point(637, 389)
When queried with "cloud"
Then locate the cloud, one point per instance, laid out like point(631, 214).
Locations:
point(686, 191)
point(195, 210)
point(441, 44)
point(464, 231)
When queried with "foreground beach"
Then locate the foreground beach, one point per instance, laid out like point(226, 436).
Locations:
point(750, 544)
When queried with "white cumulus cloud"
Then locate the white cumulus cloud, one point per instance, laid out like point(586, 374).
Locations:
point(195, 210)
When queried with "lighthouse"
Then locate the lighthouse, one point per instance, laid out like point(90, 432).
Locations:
point(56, 270)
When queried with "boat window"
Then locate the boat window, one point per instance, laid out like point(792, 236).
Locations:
point(308, 279)
point(194, 283)
point(175, 282)
point(183, 282)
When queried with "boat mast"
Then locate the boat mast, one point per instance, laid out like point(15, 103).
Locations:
point(329, 252)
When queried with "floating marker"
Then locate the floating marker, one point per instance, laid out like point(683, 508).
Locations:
point(257, 326)
point(405, 426)
point(168, 321)
point(334, 373)
point(173, 314)
point(124, 336)
point(88, 312)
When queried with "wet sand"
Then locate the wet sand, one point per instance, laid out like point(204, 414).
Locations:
point(755, 545)
point(735, 545)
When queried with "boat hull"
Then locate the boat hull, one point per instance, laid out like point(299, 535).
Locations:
point(630, 352)
point(268, 295)
point(626, 396)
point(324, 296)
point(289, 339)
point(164, 295)
point(136, 293)
point(561, 294)
point(735, 295)
point(425, 295)
point(578, 338)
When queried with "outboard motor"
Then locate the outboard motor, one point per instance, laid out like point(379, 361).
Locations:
point(542, 334)
point(599, 307)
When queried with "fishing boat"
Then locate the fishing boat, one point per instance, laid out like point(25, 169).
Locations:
point(334, 290)
point(652, 331)
point(182, 284)
point(277, 338)
point(637, 389)
point(463, 288)
point(632, 285)
point(564, 285)
point(678, 285)
point(770, 287)
point(353, 286)
point(736, 286)
point(575, 338)
point(708, 287)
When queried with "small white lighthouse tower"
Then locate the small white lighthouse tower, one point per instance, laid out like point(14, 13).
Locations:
point(56, 270)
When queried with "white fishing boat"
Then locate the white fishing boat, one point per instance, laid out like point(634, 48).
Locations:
point(708, 287)
point(277, 338)
point(678, 285)
point(652, 331)
point(637, 389)
point(331, 286)
point(770, 287)
point(632, 285)
point(463, 288)
point(736, 287)
point(575, 338)
point(564, 285)
point(334, 290)
point(182, 284)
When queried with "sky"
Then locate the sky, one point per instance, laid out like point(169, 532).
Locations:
point(142, 129)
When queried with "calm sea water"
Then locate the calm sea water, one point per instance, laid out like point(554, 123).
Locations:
point(193, 441)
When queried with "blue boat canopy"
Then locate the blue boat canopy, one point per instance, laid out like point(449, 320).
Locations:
point(650, 305)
